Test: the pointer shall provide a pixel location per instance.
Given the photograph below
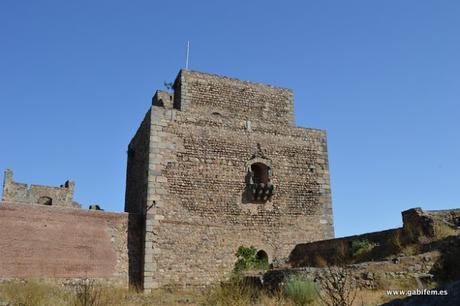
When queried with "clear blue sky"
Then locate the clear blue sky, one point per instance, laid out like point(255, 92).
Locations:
point(382, 77)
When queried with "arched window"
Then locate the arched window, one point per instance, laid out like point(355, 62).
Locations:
point(260, 173)
point(262, 256)
point(45, 201)
point(259, 187)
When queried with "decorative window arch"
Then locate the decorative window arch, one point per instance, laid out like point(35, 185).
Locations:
point(258, 183)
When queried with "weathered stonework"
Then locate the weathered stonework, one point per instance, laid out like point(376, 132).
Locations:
point(38, 194)
point(217, 164)
point(416, 223)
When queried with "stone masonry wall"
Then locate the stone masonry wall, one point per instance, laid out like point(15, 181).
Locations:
point(136, 199)
point(411, 270)
point(312, 253)
point(416, 223)
point(38, 194)
point(200, 92)
point(198, 214)
point(62, 243)
point(137, 169)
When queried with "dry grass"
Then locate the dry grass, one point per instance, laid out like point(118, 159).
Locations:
point(34, 293)
point(394, 242)
point(443, 230)
point(371, 297)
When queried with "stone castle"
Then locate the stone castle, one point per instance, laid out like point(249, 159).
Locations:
point(215, 164)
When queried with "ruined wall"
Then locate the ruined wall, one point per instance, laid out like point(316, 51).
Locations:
point(198, 179)
point(416, 269)
point(62, 243)
point(38, 194)
point(416, 223)
point(341, 249)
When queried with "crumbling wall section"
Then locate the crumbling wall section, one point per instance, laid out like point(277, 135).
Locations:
point(38, 194)
point(417, 223)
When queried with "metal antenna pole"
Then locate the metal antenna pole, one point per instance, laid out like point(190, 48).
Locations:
point(188, 51)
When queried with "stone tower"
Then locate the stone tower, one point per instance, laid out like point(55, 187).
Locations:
point(217, 164)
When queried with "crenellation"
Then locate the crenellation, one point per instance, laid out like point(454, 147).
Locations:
point(38, 194)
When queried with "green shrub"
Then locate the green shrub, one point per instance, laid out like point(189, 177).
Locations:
point(300, 290)
point(359, 247)
point(247, 260)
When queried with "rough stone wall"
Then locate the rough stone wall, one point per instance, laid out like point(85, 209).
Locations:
point(136, 199)
point(427, 222)
point(62, 243)
point(201, 92)
point(38, 194)
point(416, 223)
point(137, 169)
point(312, 253)
point(450, 216)
point(371, 275)
point(197, 172)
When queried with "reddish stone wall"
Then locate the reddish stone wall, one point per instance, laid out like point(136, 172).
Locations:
point(55, 242)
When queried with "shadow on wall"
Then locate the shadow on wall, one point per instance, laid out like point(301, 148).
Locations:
point(136, 234)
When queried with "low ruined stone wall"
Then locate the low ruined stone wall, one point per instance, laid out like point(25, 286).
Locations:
point(451, 216)
point(411, 270)
point(62, 243)
point(311, 254)
point(416, 223)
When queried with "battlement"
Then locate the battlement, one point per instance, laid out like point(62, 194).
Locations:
point(38, 194)
point(209, 93)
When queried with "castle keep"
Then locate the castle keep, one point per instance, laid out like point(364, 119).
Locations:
point(216, 164)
